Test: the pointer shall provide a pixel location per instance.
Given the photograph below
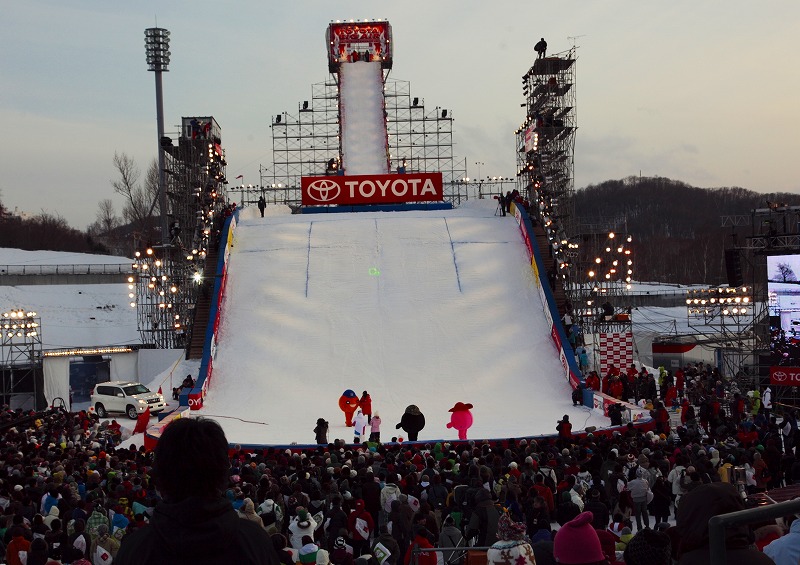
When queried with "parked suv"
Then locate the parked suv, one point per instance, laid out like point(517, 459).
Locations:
point(123, 396)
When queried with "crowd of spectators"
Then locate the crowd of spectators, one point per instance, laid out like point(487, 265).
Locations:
point(68, 491)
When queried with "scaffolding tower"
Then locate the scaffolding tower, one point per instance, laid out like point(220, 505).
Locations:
point(306, 142)
point(21, 359)
point(168, 277)
point(546, 140)
point(761, 342)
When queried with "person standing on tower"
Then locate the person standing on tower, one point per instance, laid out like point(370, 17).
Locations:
point(541, 48)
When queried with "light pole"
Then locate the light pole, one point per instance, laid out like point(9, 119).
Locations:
point(156, 43)
point(480, 164)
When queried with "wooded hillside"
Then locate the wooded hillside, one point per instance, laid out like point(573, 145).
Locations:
point(676, 227)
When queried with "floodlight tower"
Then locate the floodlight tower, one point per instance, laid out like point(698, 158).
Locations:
point(156, 42)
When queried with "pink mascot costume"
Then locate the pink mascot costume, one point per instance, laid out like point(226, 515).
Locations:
point(460, 419)
point(348, 402)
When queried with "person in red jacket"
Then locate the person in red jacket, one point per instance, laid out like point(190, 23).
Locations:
point(360, 526)
point(670, 396)
point(616, 388)
point(593, 381)
point(564, 428)
point(661, 416)
point(420, 541)
point(680, 381)
point(684, 411)
point(541, 489)
point(632, 373)
point(366, 406)
point(18, 543)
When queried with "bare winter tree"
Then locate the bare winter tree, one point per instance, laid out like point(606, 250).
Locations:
point(107, 217)
point(784, 273)
point(105, 225)
point(139, 199)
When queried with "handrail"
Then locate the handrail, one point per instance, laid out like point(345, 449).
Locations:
point(717, 524)
point(68, 269)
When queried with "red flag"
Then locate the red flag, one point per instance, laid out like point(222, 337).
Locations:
point(142, 422)
point(240, 177)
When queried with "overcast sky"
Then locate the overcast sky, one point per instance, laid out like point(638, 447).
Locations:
point(703, 92)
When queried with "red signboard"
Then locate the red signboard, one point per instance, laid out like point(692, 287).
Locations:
point(345, 37)
point(372, 189)
point(784, 376)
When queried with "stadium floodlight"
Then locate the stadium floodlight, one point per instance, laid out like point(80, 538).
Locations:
point(156, 42)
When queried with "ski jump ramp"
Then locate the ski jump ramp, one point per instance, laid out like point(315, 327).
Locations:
point(428, 308)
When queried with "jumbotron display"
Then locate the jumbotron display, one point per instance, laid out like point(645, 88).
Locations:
point(783, 287)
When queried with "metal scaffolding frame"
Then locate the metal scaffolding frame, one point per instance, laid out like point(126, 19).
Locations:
point(20, 359)
point(167, 278)
point(546, 139)
point(768, 231)
point(304, 143)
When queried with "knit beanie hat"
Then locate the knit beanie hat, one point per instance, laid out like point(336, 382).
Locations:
point(302, 517)
point(512, 547)
point(577, 541)
point(508, 529)
point(650, 547)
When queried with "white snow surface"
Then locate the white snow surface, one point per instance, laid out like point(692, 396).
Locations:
point(427, 308)
point(363, 120)
point(72, 315)
point(12, 256)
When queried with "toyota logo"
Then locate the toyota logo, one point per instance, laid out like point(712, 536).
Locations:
point(323, 190)
point(780, 376)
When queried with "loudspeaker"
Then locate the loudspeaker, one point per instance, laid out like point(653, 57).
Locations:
point(733, 267)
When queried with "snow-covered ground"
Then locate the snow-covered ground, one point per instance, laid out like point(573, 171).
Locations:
point(72, 315)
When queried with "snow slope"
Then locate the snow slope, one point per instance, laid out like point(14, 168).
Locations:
point(363, 121)
point(427, 308)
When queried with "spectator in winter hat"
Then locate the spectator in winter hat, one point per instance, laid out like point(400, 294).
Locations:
point(301, 525)
point(512, 545)
point(339, 553)
point(194, 522)
point(577, 543)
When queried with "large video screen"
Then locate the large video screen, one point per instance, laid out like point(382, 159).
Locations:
point(783, 286)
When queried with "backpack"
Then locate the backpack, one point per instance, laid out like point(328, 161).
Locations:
point(548, 479)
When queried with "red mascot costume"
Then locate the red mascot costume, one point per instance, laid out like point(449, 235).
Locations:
point(348, 403)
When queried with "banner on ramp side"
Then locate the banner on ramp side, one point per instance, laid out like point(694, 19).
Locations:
point(372, 189)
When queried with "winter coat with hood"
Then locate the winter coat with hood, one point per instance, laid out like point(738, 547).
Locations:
point(195, 531)
point(248, 512)
point(389, 492)
point(52, 515)
point(483, 521)
point(697, 507)
point(360, 513)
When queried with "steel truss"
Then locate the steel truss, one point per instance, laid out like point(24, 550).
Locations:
point(545, 166)
point(20, 359)
point(304, 143)
point(168, 277)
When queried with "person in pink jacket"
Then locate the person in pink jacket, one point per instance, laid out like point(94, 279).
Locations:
point(375, 429)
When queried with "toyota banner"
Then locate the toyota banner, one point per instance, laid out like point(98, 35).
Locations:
point(784, 376)
point(372, 189)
